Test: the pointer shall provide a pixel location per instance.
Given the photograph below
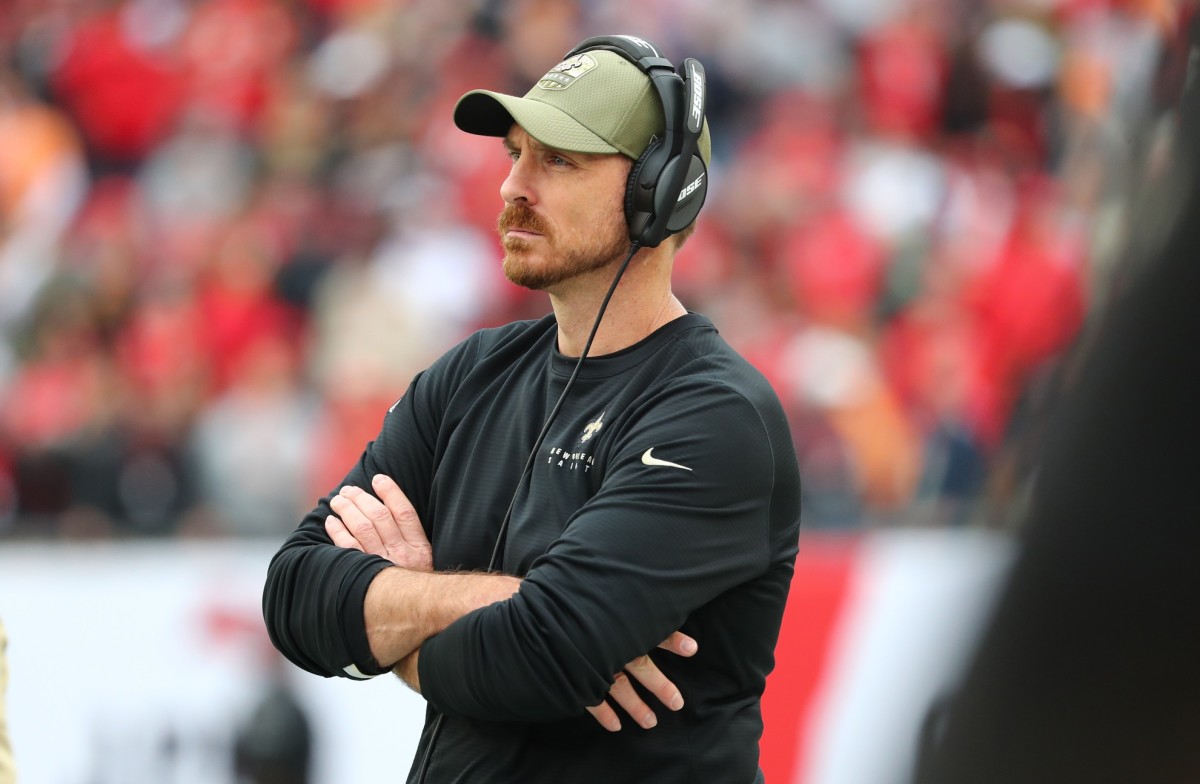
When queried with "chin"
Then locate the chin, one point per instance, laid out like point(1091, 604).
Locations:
point(518, 270)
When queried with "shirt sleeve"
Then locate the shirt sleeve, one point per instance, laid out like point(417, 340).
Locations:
point(682, 516)
point(314, 591)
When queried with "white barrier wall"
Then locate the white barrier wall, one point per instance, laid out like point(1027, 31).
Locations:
point(136, 664)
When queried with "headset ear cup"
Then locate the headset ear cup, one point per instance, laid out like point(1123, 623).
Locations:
point(639, 192)
point(690, 199)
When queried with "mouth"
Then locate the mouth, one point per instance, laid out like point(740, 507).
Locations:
point(519, 224)
point(516, 232)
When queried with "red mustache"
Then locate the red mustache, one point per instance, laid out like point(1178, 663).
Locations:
point(518, 216)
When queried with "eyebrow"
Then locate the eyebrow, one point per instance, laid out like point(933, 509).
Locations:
point(538, 146)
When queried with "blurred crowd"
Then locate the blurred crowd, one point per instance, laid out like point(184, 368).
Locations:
point(231, 231)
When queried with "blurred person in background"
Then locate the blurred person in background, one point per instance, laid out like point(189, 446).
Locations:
point(657, 500)
point(274, 743)
point(8, 771)
point(42, 184)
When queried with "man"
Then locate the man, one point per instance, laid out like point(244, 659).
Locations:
point(659, 494)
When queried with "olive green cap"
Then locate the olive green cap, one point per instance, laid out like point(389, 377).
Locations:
point(594, 102)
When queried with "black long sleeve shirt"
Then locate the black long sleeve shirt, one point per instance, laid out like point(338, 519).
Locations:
point(665, 496)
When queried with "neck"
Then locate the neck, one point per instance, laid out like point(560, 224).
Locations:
point(641, 304)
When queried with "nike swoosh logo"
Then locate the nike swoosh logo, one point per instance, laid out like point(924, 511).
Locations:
point(650, 460)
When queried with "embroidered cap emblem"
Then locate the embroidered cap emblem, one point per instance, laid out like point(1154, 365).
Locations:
point(563, 75)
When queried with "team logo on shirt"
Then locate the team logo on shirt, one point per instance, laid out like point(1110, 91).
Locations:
point(593, 428)
point(571, 461)
point(575, 459)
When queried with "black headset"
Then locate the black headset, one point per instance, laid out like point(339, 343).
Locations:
point(668, 183)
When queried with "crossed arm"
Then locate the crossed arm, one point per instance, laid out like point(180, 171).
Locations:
point(409, 602)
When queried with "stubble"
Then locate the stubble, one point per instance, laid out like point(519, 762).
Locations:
point(595, 248)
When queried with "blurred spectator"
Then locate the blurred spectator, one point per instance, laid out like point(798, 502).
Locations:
point(42, 183)
point(274, 745)
point(274, 742)
point(62, 393)
point(232, 230)
point(251, 444)
point(836, 376)
point(120, 77)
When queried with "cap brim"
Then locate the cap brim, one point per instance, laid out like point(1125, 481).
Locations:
point(487, 113)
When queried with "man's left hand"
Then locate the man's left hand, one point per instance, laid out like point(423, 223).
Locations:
point(387, 526)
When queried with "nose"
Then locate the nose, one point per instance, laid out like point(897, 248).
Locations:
point(518, 185)
point(515, 187)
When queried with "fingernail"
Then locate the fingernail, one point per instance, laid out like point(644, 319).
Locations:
point(676, 702)
point(345, 491)
point(378, 480)
point(688, 646)
point(614, 725)
point(650, 721)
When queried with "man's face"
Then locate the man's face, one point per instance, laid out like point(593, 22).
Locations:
point(564, 212)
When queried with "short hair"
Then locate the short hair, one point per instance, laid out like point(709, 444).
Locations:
point(681, 236)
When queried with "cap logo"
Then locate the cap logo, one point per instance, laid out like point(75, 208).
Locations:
point(563, 75)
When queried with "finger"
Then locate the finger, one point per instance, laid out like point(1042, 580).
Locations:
point(646, 672)
point(361, 527)
point(622, 692)
point(606, 716)
point(340, 536)
point(383, 519)
point(379, 515)
point(679, 644)
point(403, 513)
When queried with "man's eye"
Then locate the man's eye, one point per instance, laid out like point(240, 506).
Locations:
point(558, 160)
